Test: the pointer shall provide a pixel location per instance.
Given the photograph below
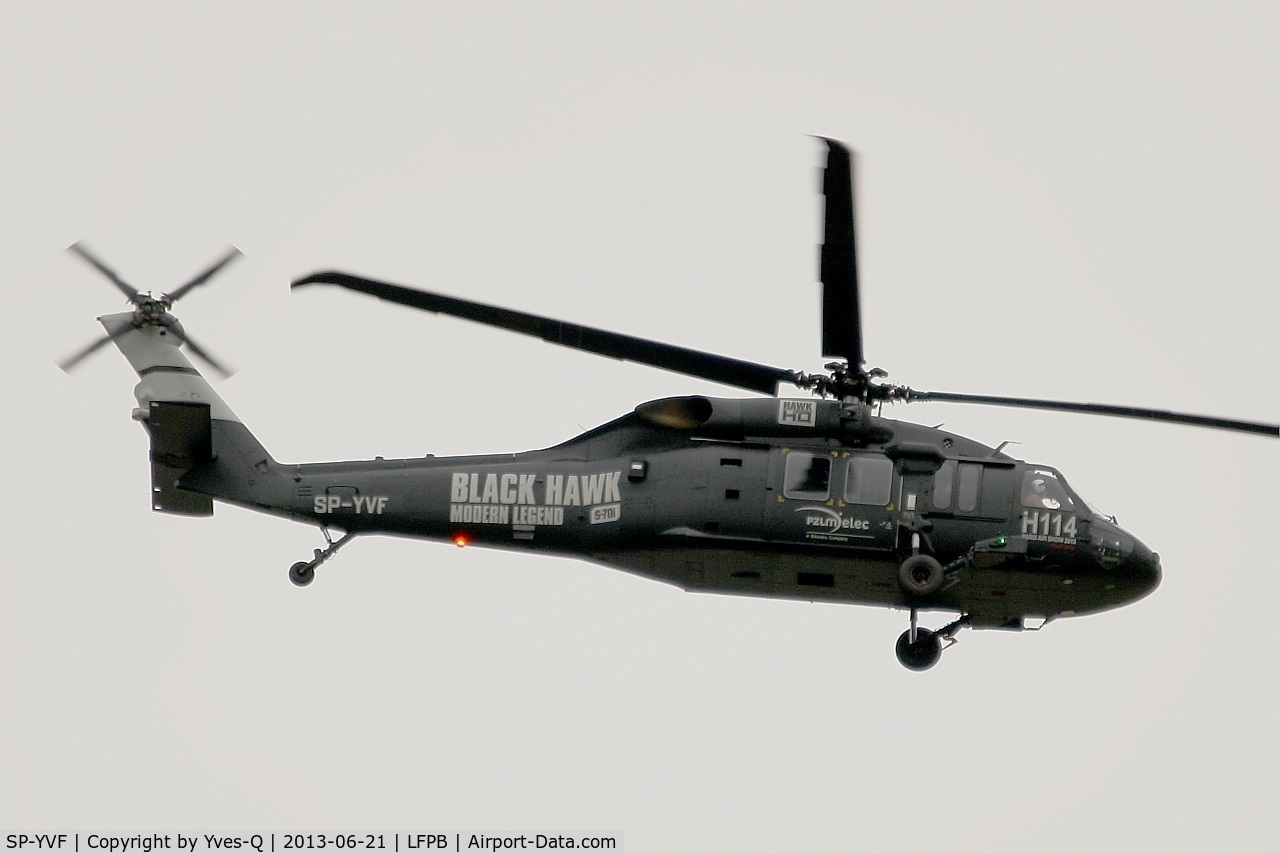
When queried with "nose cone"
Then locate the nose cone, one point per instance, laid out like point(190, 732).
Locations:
point(1134, 568)
point(1142, 570)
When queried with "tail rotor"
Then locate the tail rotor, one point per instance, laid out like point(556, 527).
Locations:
point(150, 310)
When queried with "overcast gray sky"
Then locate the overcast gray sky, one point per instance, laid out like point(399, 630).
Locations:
point(1068, 200)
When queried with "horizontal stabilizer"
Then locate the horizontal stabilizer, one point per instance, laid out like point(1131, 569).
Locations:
point(181, 438)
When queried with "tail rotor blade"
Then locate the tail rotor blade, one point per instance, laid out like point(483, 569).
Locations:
point(67, 364)
point(210, 360)
point(126, 289)
point(230, 256)
point(169, 323)
point(70, 362)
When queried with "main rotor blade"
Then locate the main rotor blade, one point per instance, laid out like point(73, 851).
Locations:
point(175, 295)
point(1272, 430)
point(717, 368)
point(128, 290)
point(841, 318)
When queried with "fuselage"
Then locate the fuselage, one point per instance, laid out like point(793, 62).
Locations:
point(771, 498)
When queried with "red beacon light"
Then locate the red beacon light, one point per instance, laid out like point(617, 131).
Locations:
point(461, 540)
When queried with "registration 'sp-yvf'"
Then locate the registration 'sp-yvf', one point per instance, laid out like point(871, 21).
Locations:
point(818, 499)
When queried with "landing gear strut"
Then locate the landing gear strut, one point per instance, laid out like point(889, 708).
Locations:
point(302, 574)
point(919, 648)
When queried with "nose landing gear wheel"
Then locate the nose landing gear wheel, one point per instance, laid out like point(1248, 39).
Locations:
point(302, 573)
point(921, 654)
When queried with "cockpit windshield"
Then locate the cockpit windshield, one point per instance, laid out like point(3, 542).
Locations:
point(1044, 488)
point(1099, 513)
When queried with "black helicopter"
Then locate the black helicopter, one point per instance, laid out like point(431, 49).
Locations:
point(811, 499)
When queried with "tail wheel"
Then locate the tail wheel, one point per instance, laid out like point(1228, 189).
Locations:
point(302, 573)
point(920, 575)
point(921, 654)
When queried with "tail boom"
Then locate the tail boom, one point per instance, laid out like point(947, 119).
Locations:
point(200, 449)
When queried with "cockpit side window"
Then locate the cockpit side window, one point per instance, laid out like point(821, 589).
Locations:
point(808, 477)
point(1041, 489)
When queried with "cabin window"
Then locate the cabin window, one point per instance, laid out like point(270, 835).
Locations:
point(970, 483)
point(943, 481)
point(870, 481)
point(1041, 489)
point(808, 477)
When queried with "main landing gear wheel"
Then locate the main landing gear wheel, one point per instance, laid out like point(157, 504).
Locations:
point(302, 573)
point(919, 648)
point(921, 654)
point(921, 575)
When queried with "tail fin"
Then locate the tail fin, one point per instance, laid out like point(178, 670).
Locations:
point(199, 448)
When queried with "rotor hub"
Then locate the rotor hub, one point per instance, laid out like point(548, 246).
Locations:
point(150, 310)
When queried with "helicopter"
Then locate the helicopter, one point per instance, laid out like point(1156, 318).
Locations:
point(821, 499)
